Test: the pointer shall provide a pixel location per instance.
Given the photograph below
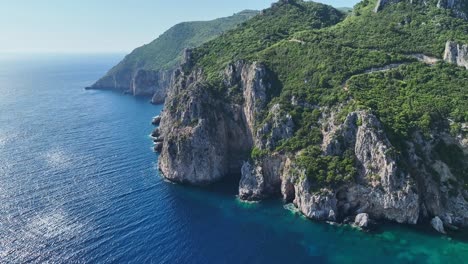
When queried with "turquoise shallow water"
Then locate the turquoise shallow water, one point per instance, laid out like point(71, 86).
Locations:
point(79, 184)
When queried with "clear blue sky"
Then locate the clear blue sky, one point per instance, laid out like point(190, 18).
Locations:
point(106, 25)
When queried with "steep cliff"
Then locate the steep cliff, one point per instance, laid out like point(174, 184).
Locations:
point(148, 70)
point(333, 115)
point(205, 137)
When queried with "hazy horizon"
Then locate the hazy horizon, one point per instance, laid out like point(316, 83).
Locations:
point(114, 27)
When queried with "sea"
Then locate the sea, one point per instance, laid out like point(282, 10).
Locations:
point(79, 183)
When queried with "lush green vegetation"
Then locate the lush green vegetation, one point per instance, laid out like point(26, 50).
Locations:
point(265, 30)
point(414, 97)
point(327, 170)
point(324, 58)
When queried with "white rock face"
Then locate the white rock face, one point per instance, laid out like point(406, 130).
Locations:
point(321, 206)
point(381, 190)
point(438, 225)
point(263, 179)
point(456, 54)
point(362, 220)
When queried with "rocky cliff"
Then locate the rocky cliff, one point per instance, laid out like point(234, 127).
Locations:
point(288, 129)
point(206, 138)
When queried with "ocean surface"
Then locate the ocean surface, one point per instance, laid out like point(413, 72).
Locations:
point(79, 184)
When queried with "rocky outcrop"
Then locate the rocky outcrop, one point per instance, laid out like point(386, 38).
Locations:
point(263, 179)
point(279, 126)
point(438, 225)
point(362, 220)
point(321, 206)
point(456, 53)
point(252, 79)
point(382, 189)
point(156, 120)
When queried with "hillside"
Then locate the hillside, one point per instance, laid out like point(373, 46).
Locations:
point(364, 114)
point(148, 69)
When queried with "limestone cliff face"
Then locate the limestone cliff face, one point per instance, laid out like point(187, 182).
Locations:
point(456, 53)
point(205, 137)
point(382, 189)
point(138, 83)
point(261, 178)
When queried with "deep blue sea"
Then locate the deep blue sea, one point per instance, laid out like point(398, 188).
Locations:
point(79, 184)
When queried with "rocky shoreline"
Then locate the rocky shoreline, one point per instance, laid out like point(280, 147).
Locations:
point(202, 139)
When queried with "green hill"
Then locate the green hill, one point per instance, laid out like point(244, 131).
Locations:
point(164, 53)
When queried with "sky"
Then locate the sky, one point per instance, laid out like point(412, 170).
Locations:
point(110, 26)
